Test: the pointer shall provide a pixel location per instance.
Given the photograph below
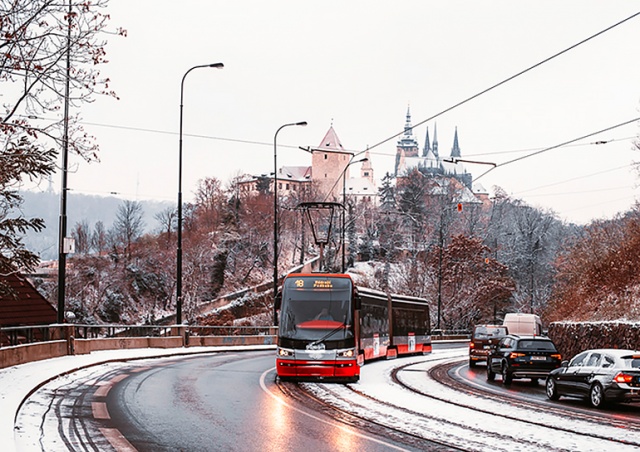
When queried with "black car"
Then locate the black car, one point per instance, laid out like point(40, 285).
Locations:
point(522, 357)
point(481, 340)
point(605, 375)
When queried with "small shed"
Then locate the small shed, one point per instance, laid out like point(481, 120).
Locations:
point(25, 306)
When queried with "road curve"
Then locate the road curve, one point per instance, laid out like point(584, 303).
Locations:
point(217, 401)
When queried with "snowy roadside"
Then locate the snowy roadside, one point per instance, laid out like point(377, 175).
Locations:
point(464, 419)
point(18, 382)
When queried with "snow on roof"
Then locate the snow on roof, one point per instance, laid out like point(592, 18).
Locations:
point(479, 189)
point(297, 173)
point(360, 186)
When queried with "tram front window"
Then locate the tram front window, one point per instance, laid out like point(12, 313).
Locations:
point(313, 320)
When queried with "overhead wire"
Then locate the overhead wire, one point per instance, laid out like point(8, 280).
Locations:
point(556, 146)
point(446, 110)
point(508, 79)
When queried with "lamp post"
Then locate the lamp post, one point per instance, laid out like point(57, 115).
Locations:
point(179, 251)
point(275, 210)
point(344, 202)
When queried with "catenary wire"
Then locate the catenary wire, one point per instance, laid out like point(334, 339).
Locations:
point(556, 146)
point(508, 79)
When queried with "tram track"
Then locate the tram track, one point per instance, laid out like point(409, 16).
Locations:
point(477, 409)
point(317, 403)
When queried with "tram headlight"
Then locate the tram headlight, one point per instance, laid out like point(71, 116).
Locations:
point(284, 352)
point(348, 353)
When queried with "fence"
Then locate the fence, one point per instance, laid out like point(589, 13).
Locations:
point(19, 345)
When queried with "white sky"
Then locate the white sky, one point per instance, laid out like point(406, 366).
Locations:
point(358, 65)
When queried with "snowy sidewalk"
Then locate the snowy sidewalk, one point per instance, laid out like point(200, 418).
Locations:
point(18, 382)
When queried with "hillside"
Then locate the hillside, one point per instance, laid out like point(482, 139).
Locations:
point(89, 208)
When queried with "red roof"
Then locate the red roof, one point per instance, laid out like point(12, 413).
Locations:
point(27, 307)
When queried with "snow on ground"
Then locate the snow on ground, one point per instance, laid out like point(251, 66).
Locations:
point(438, 419)
point(18, 382)
point(452, 416)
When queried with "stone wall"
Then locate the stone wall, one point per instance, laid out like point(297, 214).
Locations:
point(572, 338)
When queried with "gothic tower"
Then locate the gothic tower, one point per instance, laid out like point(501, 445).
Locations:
point(407, 145)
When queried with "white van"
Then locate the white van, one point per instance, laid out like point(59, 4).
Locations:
point(520, 323)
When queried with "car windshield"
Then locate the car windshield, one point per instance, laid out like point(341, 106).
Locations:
point(536, 345)
point(483, 332)
point(631, 361)
point(312, 321)
point(316, 308)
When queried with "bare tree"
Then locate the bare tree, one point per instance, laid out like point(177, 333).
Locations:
point(168, 219)
point(99, 238)
point(82, 235)
point(40, 40)
point(129, 224)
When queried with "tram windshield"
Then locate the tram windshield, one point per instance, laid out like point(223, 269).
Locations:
point(316, 308)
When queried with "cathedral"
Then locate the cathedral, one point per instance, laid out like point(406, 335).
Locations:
point(430, 162)
point(330, 169)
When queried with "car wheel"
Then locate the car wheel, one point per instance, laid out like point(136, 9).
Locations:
point(552, 389)
point(534, 381)
point(472, 363)
point(596, 395)
point(506, 375)
point(491, 375)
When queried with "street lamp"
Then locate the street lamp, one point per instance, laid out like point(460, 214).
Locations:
point(344, 202)
point(275, 210)
point(179, 252)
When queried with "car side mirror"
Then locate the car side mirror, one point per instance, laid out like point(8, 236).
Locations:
point(564, 363)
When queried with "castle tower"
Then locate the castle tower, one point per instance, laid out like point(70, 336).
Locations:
point(366, 171)
point(329, 161)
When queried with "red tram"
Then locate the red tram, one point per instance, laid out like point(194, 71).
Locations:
point(329, 327)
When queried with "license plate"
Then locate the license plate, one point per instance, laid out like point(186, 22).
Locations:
point(538, 358)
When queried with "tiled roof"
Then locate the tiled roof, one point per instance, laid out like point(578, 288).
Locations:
point(27, 307)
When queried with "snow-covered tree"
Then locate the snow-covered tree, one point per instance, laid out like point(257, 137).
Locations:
point(21, 159)
point(51, 51)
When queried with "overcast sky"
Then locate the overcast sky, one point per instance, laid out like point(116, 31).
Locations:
point(358, 65)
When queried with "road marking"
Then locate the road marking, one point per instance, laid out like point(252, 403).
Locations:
point(118, 441)
point(99, 410)
point(103, 390)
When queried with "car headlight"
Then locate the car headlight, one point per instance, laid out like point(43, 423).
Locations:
point(348, 353)
point(285, 352)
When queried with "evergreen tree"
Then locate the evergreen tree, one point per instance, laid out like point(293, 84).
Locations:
point(387, 193)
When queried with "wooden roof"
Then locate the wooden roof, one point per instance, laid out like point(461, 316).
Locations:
point(28, 307)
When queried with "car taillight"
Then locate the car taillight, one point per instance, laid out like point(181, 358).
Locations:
point(557, 356)
point(472, 345)
point(623, 378)
point(515, 355)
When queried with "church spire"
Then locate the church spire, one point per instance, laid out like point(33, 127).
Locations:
point(455, 150)
point(407, 145)
point(435, 141)
point(427, 145)
point(407, 125)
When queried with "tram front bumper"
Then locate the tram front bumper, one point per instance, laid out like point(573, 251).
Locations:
point(289, 364)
